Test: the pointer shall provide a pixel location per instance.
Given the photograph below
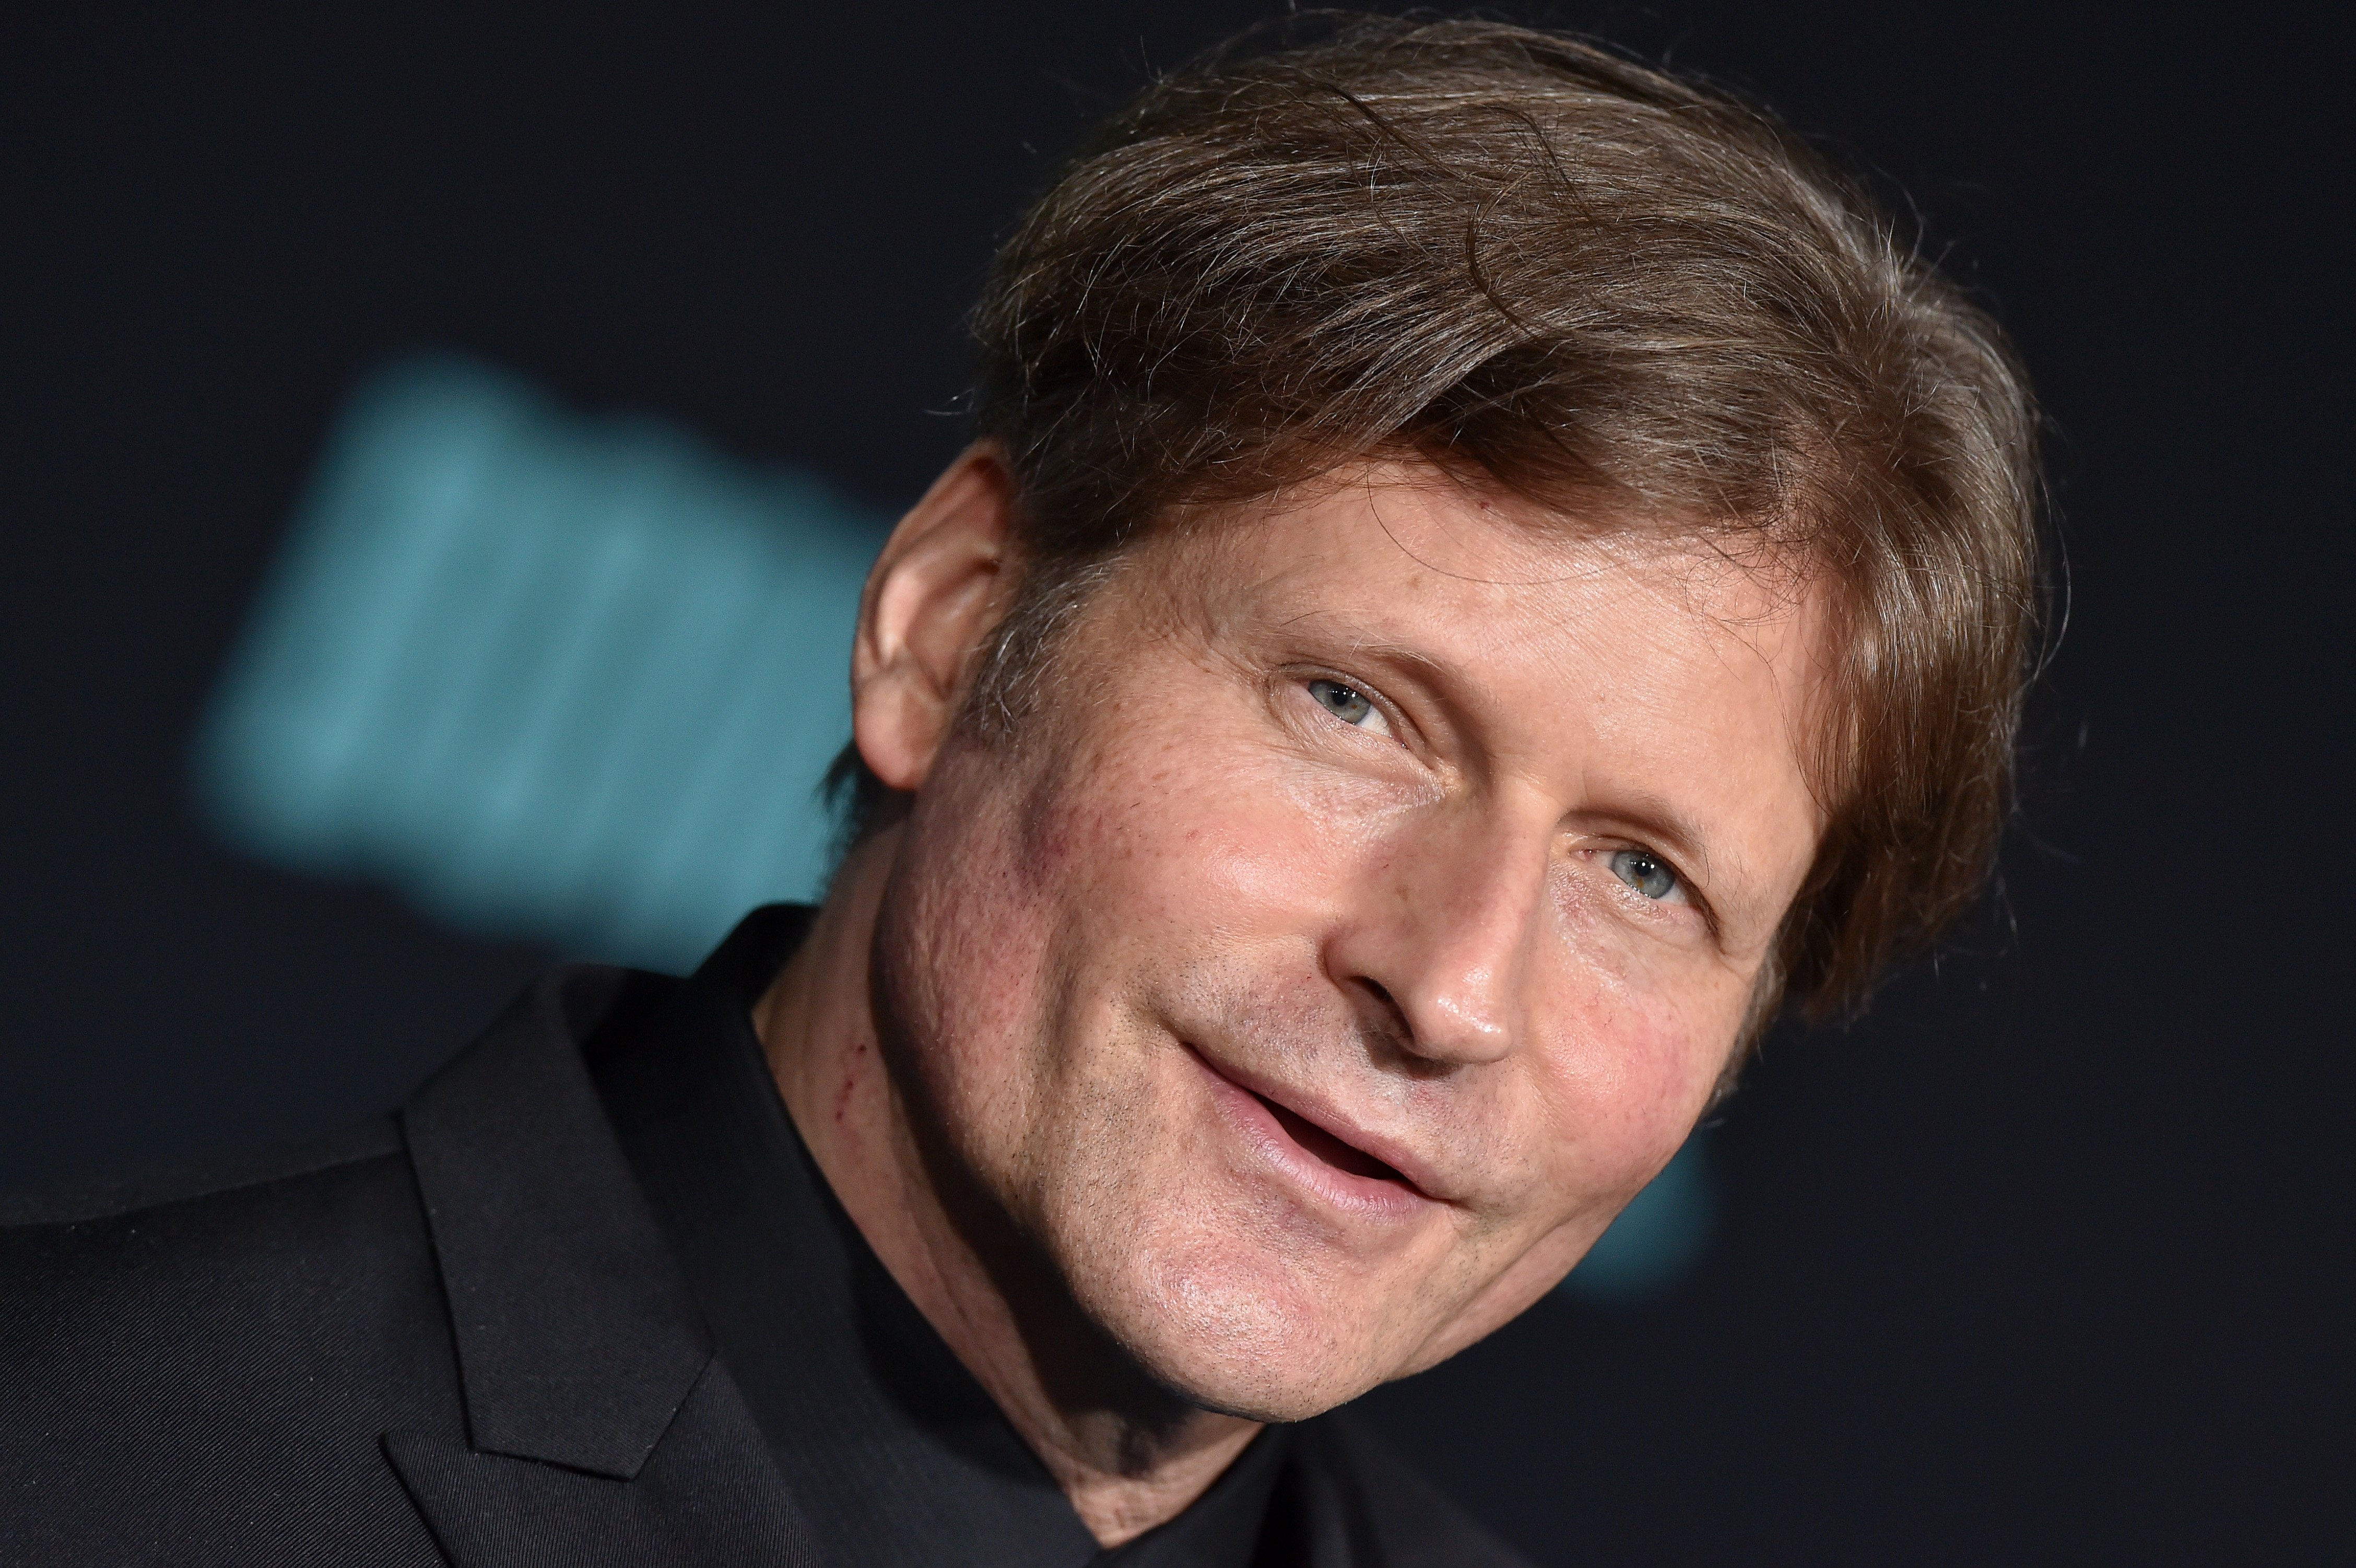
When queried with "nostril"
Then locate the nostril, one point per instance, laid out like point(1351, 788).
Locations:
point(1440, 1036)
point(1391, 1036)
point(1388, 1017)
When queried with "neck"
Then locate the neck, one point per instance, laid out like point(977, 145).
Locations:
point(1129, 1455)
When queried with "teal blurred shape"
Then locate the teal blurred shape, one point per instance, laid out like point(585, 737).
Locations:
point(566, 679)
point(1658, 1238)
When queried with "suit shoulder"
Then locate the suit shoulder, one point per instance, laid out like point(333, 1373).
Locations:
point(122, 1195)
point(210, 1356)
point(1416, 1524)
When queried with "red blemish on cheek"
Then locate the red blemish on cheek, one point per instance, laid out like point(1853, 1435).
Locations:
point(1048, 834)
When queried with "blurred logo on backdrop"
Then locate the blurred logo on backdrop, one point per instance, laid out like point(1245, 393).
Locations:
point(563, 679)
point(575, 680)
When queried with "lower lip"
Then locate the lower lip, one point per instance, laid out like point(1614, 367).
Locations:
point(1374, 1197)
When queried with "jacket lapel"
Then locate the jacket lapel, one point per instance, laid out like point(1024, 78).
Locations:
point(600, 1428)
point(707, 1495)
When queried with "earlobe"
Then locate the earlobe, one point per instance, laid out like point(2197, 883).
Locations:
point(932, 598)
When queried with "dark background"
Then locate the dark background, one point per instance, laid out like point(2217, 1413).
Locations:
point(2031, 1265)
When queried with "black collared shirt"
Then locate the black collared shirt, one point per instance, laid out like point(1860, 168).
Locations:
point(895, 1452)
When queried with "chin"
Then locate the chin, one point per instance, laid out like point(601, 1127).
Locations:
point(1259, 1343)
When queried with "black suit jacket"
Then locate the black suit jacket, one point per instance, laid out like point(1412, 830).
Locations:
point(456, 1333)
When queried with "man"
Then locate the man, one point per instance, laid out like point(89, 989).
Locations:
point(1482, 571)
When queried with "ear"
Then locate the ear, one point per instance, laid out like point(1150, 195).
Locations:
point(932, 597)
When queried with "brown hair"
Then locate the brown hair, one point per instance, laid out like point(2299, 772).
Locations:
point(1628, 296)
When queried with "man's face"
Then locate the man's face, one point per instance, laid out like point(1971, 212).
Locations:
point(1362, 918)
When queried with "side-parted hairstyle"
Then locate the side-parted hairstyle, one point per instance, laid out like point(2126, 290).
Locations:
point(1628, 296)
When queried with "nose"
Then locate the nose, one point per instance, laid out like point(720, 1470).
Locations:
point(1441, 947)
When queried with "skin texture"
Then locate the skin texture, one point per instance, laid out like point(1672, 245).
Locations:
point(1273, 1014)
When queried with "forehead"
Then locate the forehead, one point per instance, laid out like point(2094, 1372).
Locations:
point(1501, 580)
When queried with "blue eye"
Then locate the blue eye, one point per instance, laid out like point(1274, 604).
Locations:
point(1351, 707)
point(1645, 871)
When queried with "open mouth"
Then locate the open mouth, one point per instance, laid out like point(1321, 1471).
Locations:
point(1342, 1156)
point(1338, 1171)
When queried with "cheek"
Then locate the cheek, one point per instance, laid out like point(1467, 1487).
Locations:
point(1628, 1045)
point(1623, 1090)
point(1180, 834)
point(963, 950)
point(1044, 899)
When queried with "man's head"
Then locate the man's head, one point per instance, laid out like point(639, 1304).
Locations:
point(1486, 564)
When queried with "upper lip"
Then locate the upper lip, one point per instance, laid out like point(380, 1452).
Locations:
point(1417, 1171)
